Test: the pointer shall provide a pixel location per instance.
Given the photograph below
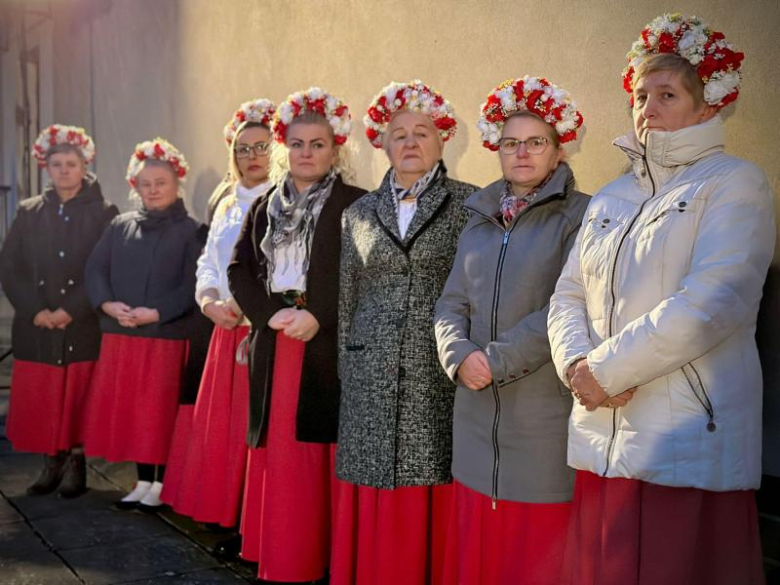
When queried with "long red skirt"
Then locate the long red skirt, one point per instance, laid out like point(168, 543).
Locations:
point(286, 518)
point(386, 537)
point(517, 542)
point(209, 452)
point(630, 532)
point(47, 406)
point(134, 397)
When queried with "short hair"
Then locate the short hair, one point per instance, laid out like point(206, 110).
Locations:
point(676, 64)
point(552, 133)
point(65, 148)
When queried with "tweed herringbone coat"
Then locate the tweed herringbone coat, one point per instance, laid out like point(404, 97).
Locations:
point(395, 421)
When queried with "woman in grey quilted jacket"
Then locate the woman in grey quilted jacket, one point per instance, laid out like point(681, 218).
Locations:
point(511, 482)
point(395, 421)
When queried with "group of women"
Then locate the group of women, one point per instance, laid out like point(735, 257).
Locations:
point(387, 394)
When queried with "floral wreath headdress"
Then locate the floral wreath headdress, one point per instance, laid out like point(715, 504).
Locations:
point(414, 96)
point(157, 149)
point(258, 110)
point(534, 94)
point(60, 134)
point(315, 100)
point(714, 59)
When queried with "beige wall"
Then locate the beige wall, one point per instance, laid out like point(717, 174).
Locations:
point(179, 69)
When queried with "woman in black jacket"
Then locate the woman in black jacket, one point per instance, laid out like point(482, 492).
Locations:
point(284, 276)
point(55, 337)
point(141, 276)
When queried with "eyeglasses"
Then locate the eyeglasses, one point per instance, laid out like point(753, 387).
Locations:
point(533, 145)
point(259, 148)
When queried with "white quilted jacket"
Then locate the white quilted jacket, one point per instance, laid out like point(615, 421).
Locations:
point(661, 292)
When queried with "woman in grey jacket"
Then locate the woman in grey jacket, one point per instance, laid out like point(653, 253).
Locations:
point(395, 422)
point(511, 485)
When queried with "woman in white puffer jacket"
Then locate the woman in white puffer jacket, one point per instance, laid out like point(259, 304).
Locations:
point(652, 326)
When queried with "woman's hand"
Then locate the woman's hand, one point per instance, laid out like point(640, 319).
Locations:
point(61, 318)
point(144, 316)
point(303, 326)
point(43, 319)
point(221, 314)
point(281, 319)
point(474, 373)
point(116, 310)
point(585, 387)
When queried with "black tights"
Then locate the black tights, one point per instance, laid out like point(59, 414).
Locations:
point(150, 473)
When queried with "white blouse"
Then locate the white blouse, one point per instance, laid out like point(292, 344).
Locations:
point(225, 229)
point(288, 268)
point(406, 209)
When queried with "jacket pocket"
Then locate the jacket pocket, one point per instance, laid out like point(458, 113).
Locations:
point(598, 241)
point(354, 347)
point(678, 207)
point(696, 384)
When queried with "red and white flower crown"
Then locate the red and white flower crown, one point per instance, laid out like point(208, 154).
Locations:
point(157, 149)
point(715, 60)
point(60, 134)
point(315, 100)
point(259, 110)
point(414, 96)
point(534, 94)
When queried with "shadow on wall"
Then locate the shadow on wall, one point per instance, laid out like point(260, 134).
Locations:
point(202, 188)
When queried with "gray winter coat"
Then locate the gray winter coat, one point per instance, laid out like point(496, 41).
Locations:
point(510, 438)
point(395, 421)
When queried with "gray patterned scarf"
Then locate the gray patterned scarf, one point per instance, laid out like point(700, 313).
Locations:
point(419, 186)
point(292, 217)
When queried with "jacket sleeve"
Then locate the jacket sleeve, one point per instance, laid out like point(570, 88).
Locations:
point(76, 302)
point(525, 347)
point(16, 273)
point(97, 274)
point(720, 293)
point(348, 285)
point(452, 317)
point(567, 318)
point(245, 286)
point(180, 300)
point(207, 273)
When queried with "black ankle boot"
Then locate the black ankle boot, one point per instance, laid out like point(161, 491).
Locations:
point(74, 480)
point(50, 476)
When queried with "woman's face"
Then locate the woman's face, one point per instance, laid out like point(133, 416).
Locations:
point(522, 169)
point(157, 186)
point(252, 147)
point(66, 170)
point(311, 152)
point(412, 143)
point(662, 104)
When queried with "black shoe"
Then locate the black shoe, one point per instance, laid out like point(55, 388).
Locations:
point(228, 550)
point(146, 509)
point(50, 476)
point(123, 506)
point(74, 480)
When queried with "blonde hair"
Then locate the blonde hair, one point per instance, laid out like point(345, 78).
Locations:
point(135, 198)
point(676, 64)
point(280, 165)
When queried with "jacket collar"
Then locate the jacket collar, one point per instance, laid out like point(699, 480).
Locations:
point(666, 153)
point(428, 202)
point(485, 202)
point(151, 219)
point(90, 191)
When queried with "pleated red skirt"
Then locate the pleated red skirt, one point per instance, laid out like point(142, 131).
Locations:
point(630, 532)
point(134, 397)
point(286, 516)
point(209, 452)
point(517, 543)
point(387, 537)
point(47, 406)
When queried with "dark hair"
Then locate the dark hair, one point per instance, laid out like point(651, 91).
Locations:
point(65, 148)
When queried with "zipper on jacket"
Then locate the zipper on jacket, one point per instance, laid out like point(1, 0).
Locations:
point(59, 212)
point(494, 384)
point(705, 401)
point(613, 293)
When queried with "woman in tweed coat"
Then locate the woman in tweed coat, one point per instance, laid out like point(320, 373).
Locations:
point(395, 422)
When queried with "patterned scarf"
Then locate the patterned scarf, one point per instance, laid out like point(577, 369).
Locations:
point(511, 204)
point(292, 217)
point(419, 186)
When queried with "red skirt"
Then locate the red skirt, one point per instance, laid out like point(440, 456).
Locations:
point(387, 537)
point(286, 517)
point(630, 532)
point(134, 398)
point(517, 542)
point(47, 406)
point(209, 452)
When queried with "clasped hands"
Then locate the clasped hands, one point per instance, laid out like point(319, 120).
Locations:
point(128, 316)
point(47, 319)
point(589, 393)
point(298, 324)
point(225, 314)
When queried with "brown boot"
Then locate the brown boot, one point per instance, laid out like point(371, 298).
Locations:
point(74, 480)
point(51, 475)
